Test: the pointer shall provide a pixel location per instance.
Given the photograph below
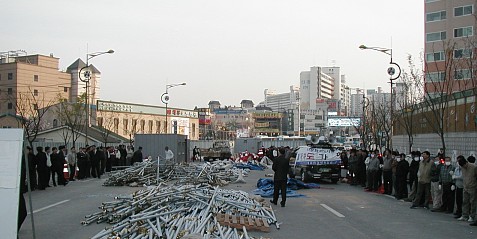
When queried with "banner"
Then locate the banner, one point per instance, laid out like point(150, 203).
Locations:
point(317, 156)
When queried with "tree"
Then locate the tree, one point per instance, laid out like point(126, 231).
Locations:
point(31, 106)
point(107, 121)
point(72, 115)
point(407, 98)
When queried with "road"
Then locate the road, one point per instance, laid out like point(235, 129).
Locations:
point(333, 211)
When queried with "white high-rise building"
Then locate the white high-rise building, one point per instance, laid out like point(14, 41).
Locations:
point(283, 101)
point(315, 85)
point(356, 107)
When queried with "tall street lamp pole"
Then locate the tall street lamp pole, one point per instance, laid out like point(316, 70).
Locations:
point(85, 76)
point(165, 99)
point(392, 77)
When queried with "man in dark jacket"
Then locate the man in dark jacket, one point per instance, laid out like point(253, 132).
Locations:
point(32, 168)
point(413, 169)
point(41, 168)
point(402, 170)
point(137, 156)
point(95, 162)
point(57, 163)
point(280, 167)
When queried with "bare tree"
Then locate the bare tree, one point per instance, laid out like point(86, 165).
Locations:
point(72, 115)
point(106, 123)
point(31, 107)
point(407, 99)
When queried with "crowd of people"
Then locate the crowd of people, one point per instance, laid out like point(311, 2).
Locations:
point(449, 184)
point(48, 164)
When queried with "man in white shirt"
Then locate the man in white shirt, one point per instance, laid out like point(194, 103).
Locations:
point(169, 154)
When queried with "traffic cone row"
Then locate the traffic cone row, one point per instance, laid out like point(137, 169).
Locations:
point(66, 174)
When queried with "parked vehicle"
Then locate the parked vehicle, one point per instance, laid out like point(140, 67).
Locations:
point(317, 160)
point(219, 150)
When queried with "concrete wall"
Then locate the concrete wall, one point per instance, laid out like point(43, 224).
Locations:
point(464, 143)
point(154, 144)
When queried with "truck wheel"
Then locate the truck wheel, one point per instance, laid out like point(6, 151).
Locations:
point(303, 177)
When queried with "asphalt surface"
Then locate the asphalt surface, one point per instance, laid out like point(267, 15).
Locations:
point(334, 211)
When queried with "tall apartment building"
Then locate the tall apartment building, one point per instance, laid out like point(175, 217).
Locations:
point(449, 45)
point(282, 101)
point(30, 81)
point(315, 85)
point(356, 103)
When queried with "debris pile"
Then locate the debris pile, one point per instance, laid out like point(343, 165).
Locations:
point(179, 210)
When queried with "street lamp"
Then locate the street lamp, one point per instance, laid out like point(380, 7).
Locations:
point(165, 98)
point(392, 77)
point(85, 76)
point(365, 106)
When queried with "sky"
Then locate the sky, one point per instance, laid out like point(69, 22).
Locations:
point(223, 50)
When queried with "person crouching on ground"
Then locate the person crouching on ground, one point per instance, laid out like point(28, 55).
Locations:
point(280, 167)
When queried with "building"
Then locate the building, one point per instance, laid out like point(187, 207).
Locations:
point(449, 46)
point(30, 82)
point(356, 103)
point(314, 85)
point(128, 119)
point(78, 87)
point(287, 104)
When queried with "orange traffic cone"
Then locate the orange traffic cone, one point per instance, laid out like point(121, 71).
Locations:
point(381, 189)
point(66, 174)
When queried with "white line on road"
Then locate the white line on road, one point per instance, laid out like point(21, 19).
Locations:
point(389, 196)
point(332, 210)
point(49, 206)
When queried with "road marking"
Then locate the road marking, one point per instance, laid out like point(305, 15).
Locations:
point(389, 196)
point(50, 206)
point(332, 210)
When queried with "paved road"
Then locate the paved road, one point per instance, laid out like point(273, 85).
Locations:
point(334, 211)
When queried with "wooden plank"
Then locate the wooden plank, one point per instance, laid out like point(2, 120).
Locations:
point(266, 227)
point(227, 219)
point(258, 222)
point(242, 221)
point(234, 219)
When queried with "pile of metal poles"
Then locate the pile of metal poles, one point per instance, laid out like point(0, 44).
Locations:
point(176, 211)
point(145, 173)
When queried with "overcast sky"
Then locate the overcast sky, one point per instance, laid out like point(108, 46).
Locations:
point(224, 50)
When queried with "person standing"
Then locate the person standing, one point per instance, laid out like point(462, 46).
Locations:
point(137, 156)
point(413, 169)
point(436, 188)
point(196, 154)
point(72, 160)
point(387, 172)
point(81, 161)
point(459, 189)
point(352, 165)
point(361, 167)
point(468, 174)
point(41, 168)
point(446, 171)
point(169, 154)
point(94, 155)
point(402, 169)
point(48, 164)
point(124, 153)
point(32, 168)
point(424, 181)
point(280, 167)
point(372, 172)
point(129, 155)
point(102, 154)
point(57, 163)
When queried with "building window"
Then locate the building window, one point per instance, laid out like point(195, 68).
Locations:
point(116, 125)
point(462, 74)
point(35, 78)
point(150, 124)
point(100, 121)
point(10, 76)
point(435, 77)
point(134, 124)
point(125, 126)
point(435, 16)
point(143, 123)
point(463, 11)
point(0, 76)
point(35, 92)
point(462, 53)
point(435, 56)
point(158, 127)
point(436, 36)
point(10, 106)
point(193, 130)
point(55, 123)
point(10, 91)
point(65, 89)
point(463, 32)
